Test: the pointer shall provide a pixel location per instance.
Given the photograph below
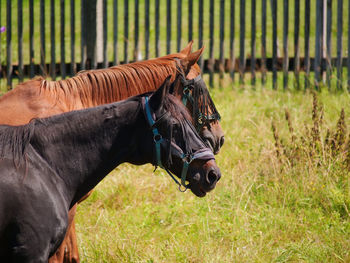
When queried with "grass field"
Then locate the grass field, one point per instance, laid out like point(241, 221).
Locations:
point(292, 208)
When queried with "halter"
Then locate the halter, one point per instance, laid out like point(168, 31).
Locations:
point(201, 115)
point(158, 139)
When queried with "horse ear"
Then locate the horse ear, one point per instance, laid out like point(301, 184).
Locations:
point(191, 59)
point(187, 50)
point(158, 96)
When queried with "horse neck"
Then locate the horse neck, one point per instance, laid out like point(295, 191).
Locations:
point(91, 143)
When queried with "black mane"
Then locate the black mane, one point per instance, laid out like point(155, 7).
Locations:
point(14, 141)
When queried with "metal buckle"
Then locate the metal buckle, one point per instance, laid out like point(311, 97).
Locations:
point(157, 138)
point(200, 121)
point(186, 91)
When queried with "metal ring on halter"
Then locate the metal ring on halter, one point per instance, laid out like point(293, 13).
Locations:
point(186, 91)
point(157, 138)
point(181, 189)
point(200, 121)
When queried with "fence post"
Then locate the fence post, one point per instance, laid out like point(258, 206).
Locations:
point(339, 44)
point(42, 38)
point(232, 39)
point(285, 43)
point(115, 32)
point(274, 44)
point(296, 42)
point(241, 42)
point(263, 43)
point(253, 42)
point(9, 44)
point(211, 63)
point(307, 44)
point(318, 43)
point(93, 29)
point(20, 40)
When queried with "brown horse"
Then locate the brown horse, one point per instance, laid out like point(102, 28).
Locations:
point(41, 98)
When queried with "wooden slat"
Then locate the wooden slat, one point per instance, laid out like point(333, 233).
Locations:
point(104, 25)
point(83, 35)
point(42, 38)
point(115, 32)
point(168, 26)
point(232, 39)
point(31, 38)
point(297, 43)
point(307, 43)
point(157, 27)
point(63, 49)
point(136, 30)
point(53, 40)
point(241, 42)
point(285, 43)
point(222, 38)
point(274, 44)
point(211, 43)
point(253, 41)
point(179, 24)
point(9, 43)
point(1, 55)
point(263, 43)
point(147, 24)
point(73, 67)
point(318, 43)
point(126, 30)
point(20, 39)
point(200, 30)
point(339, 44)
point(348, 66)
point(329, 43)
point(190, 20)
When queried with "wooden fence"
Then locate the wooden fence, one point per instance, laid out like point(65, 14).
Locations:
point(240, 36)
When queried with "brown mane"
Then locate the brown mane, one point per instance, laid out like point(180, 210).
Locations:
point(92, 87)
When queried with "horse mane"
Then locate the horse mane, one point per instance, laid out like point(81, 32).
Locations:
point(95, 87)
point(14, 141)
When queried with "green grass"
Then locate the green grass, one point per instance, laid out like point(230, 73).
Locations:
point(262, 210)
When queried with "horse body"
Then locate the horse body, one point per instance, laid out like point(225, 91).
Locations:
point(22, 199)
point(39, 185)
point(41, 98)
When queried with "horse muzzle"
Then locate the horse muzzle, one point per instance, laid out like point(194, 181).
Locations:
point(205, 181)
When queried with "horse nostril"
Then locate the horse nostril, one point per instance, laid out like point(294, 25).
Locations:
point(222, 140)
point(212, 177)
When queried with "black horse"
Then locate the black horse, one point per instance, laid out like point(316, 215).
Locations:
point(50, 164)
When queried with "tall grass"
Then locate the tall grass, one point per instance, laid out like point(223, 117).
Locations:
point(268, 207)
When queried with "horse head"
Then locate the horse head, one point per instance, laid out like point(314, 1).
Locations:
point(178, 147)
point(195, 95)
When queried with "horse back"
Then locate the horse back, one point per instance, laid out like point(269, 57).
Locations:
point(26, 102)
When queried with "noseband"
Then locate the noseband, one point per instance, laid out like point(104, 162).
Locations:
point(187, 158)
